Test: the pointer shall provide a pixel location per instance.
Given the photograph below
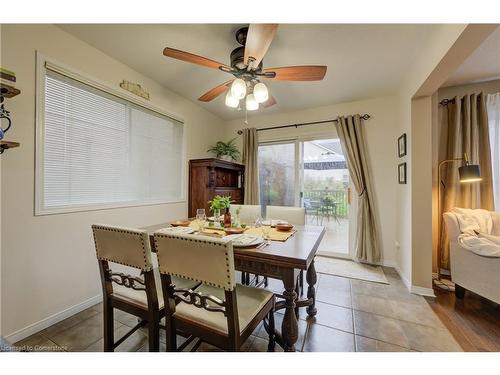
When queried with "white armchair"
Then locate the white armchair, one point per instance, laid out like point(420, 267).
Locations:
point(470, 271)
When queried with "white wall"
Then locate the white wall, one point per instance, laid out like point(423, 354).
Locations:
point(48, 262)
point(381, 134)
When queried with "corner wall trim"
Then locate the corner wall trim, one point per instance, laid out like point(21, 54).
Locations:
point(51, 320)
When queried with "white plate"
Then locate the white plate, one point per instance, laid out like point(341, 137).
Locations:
point(237, 240)
point(177, 230)
point(273, 222)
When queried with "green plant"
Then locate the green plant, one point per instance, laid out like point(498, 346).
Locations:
point(220, 203)
point(225, 149)
point(238, 210)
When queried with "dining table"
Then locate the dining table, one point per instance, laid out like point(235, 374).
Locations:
point(283, 260)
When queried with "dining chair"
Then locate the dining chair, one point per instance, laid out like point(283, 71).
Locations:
point(219, 311)
point(139, 294)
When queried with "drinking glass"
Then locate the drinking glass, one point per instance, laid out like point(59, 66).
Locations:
point(201, 217)
point(265, 231)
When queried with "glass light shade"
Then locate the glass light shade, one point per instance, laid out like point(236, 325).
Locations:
point(238, 88)
point(469, 173)
point(260, 92)
point(251, 103)
point(231, 101)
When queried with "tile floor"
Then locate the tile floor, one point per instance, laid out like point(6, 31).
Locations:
point(352, 315)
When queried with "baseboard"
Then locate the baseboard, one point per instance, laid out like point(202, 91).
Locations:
point(51, 320)
point(426, 292)
point(385, 263)
point(406, 282)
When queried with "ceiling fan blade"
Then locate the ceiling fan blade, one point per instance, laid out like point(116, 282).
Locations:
point(259, 38)
point(270, 102)
point(192, 58)
point(297, 73)
point(215, 92)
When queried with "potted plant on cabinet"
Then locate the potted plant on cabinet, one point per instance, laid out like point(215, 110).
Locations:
point(225, 150)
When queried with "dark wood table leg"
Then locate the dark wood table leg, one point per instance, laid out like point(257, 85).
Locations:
point(289, 326)
point(311, 279)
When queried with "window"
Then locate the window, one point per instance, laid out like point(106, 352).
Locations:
point(493, 105)
point(97, 150)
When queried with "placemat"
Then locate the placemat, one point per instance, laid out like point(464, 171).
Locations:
point(274, 234)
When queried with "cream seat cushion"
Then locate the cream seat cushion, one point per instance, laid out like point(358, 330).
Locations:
point(250, 302)
point(139, 296)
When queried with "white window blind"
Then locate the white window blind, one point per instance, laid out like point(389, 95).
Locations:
point(102, 151)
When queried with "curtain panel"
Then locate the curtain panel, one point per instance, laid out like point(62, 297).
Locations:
point(493, 106)
point(465, 128)
point(352, 139)
point(250, 159)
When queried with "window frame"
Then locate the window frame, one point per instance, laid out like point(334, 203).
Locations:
point(42, 63)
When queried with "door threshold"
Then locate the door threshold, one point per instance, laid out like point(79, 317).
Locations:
point(328, 254)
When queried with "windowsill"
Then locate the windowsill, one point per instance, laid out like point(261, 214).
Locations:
point(114, 206)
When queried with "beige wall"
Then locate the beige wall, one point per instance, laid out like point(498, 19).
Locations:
point(48, 262)
point(451, 45)
point(381, 134)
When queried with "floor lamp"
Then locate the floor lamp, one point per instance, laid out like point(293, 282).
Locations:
point(468, 173)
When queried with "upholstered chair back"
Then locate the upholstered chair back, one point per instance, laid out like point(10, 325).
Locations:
point(199, 258)
point(294, 215)
point(129, 247)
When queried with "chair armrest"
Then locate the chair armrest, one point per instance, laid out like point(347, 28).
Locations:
point(452, 226)
point(495, 217)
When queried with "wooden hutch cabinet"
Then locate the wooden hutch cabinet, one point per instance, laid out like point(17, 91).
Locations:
point(211, 177)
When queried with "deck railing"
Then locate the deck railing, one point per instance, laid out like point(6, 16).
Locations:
point(321, 197)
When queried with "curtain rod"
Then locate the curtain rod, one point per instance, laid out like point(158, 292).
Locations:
point(366, 116)
point(452, 100)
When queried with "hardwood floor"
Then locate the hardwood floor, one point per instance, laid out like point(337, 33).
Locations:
point(473, 321)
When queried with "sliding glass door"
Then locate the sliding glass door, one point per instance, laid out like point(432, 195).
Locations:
point(311, 174)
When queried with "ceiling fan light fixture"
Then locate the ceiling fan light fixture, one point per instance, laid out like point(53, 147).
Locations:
point(251, 103)
point(238, 89)
point(260, 92)
point(231, 101)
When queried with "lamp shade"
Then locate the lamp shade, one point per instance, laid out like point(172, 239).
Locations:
point(238, 89)
point(231, 101)
point(469, 173)
point(251, 103)
point(260, 93)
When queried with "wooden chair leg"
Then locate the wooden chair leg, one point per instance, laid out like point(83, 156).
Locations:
point(272, 341)
point(154, 333)
point(109, 338)
point(301, 281)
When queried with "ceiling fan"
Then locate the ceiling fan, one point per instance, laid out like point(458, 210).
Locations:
point(246, 65)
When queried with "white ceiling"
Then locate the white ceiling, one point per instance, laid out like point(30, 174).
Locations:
point(482, 65)
point(363, 60)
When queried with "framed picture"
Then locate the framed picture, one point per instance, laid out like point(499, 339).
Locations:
point(402, 145)
point(402, 173)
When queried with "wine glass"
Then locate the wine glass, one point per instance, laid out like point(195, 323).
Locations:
point(201, 217)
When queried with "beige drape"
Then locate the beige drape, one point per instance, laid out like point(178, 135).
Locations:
point(464, 129)
point(351, 134)
point(249, 156)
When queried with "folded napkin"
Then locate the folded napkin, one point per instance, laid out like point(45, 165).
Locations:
point(177, 230)
point(243, 239)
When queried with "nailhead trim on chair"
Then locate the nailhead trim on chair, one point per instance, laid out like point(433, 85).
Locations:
point(184, 238)
point(125, 231)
